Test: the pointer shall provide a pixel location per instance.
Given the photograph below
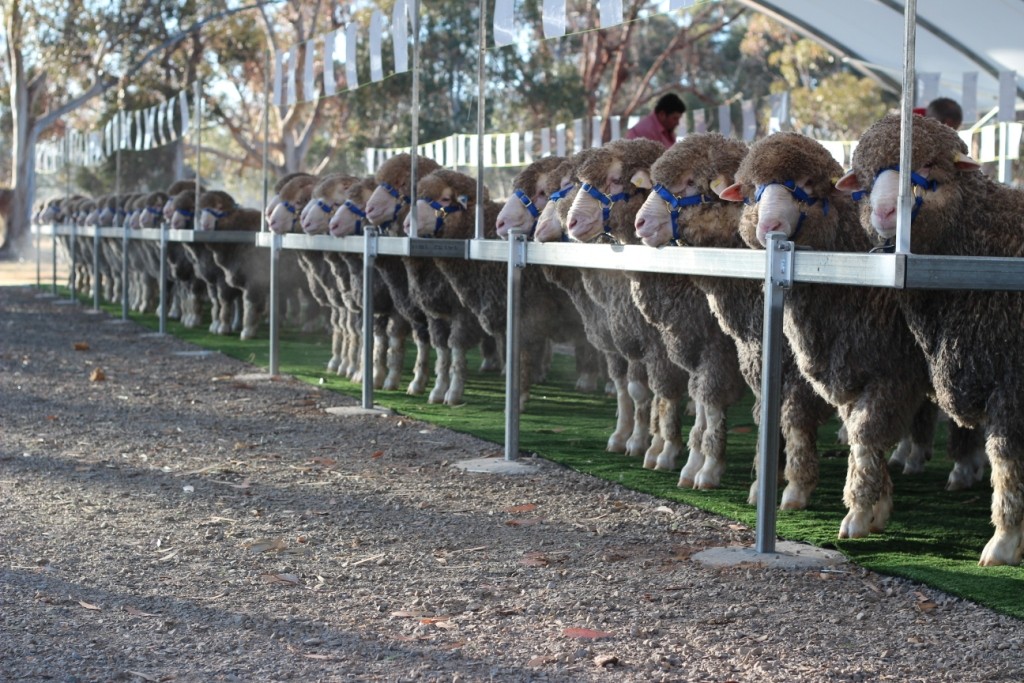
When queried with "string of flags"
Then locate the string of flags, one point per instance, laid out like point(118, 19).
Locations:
point(135, 130)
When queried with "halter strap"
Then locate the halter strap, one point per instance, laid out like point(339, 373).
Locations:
point(678, 203)
point(529, 206)
point(799, 195)
point(918, 183)
point(187, 213)
point(607, 201)
point(354, 208)
point(403, 199)
point(440, 212)
point(325, 207)
point(288, 206)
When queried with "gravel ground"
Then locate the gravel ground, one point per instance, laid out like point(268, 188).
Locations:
point(167, 518)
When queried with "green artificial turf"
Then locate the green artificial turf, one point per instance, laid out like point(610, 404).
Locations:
point(934, 537)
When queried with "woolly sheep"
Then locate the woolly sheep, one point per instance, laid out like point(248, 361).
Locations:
point(969, 338)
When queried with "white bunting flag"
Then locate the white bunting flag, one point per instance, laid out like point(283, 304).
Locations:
point(400, 35)
point(837, 150)
point(545, 142)
point(308, 91)
point(183, 110)
point(969, 97)
point(474, 152)
point(577, 135)
point(138, 138)
point(560, 140)
point(488, 150)
point(277, 100)
point(514, 156)
point(330, 85)
point(1007, 96)
point(108, 146)
point(929, 88)
point(554, 18)
point(504, 30)
point(616, 128)
point(528, 147)
point(988, 144)
point(370, 162)
point(610, 13)
point(699, 126)
point(290, 75)
point(749, 121)
point(1014, 132)
point(595, 131)
point(679, 4)
point(376, 45)
point(501, 155)
point(351, 74)
point(162, 136)
point(725, 120)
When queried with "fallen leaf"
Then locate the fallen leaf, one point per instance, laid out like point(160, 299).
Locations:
point(88, 605)
point(738, 527)
point(138, 613)
point(326, 462)
point(535, 559)
point(281, 578)
point(168, 557)
point(603, 661)
point(408, 613)
point(80, 346)
point(434, 620)
point(586, 633)
point(315, 656)
point(97, 375)
point(142, 676)
point(541, 660)
point(517, 509)
point(524, 521)
point(377, 454)
point(267, 544)
point(664, 509)
point(244, 484)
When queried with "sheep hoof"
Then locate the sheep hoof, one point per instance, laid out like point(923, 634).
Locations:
point(685, 482)
point(856, 524)
point(880, 514)
point(1004, 548)
point(332, 365)
point(753, 493)
point(635, 447)
point(437, 395)
point(417, 386)
point(650, 461)
point(616, 444)
point(793, 499)
point(667, 458)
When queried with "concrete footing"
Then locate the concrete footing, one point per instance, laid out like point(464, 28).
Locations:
point(349, 411)
point(787, 555)
point(496, 466)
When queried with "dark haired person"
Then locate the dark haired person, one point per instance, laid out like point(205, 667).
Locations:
point(947, 111)
point(660, 125)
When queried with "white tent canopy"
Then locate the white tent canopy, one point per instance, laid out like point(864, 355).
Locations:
point(953, 38)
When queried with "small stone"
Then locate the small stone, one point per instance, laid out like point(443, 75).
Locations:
point(603, 661)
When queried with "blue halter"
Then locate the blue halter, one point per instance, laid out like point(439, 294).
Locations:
point(353, 208)
point(530, 206)
point(441, 212)
point(557, 197)
point(678, 203)
point(799, 195)
point(325, 207)
point(403, 199)
point(918, 182)
point(607, 201)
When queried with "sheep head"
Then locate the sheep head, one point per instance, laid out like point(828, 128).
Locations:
point(274, 198)
point(348, 218)
point(214, 205)
point(153, 209)
point(562, 184)
point(608, 200)
point(787, 180)
point(176, 188)
point(529, 197)
point(445, 205)
point(390, 200)
point(291, 200)
point(939, 162)
point(684, 205)
point(328, 195)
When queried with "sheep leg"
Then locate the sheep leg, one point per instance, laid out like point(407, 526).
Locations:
point(623, 405)
point(588, 370)
point(801, 465)
point(914, 453)
point(867, 493)
point(442, 375)
point(657, 442)
point(397, 332)
point(337, 340)
point(457, 383)
point(713, 447)
point(967, 449)
point(1006, 545)
point(421, 368)
point(493, 355)
point(671, 424)
point(695, 461)
point(252, 313)
point(640, 438)
point(353, 356)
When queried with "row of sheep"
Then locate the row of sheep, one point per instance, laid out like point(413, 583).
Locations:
point(885, 360)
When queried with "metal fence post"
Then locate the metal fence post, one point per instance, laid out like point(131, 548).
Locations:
point(370, 236)
point(778, 277)
point(516, 264)
point(275, 304)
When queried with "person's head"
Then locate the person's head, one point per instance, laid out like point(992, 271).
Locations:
point(947, 111)
point(668, 110)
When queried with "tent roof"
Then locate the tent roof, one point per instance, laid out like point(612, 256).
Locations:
point(953, 37)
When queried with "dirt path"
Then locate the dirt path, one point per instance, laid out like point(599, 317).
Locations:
point(164, 519)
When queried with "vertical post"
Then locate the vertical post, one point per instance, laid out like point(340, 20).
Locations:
point(53, 258)
point(1005, 163)
point(275, 240)
point(96, 267)
point(369, 257)
point(516, 263)
point(275, 312)
point(198, 142)
point(73, 239)
point(414, 224)
point(39, 255)
point(163, 278)
point(904, 200)
point(480, 120)
point(125, 242)
point(778, 276)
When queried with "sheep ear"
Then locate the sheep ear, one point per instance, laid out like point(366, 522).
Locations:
point(719, 184)
point(463, 200)
point(848, 183)
point(642, 179)
point(733, 193)
point(964, 162)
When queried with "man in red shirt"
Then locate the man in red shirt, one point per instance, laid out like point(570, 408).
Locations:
point(660, 125)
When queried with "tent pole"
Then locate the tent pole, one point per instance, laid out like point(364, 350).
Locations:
point(905, 200)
